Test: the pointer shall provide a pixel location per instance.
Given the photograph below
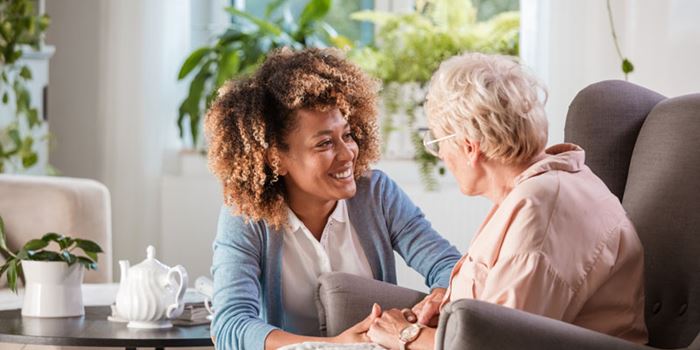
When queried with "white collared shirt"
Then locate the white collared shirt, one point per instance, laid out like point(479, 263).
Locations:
point(304, 259)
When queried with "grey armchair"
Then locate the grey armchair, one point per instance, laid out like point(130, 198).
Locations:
point(646, 148)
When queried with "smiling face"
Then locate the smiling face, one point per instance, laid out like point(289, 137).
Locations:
point(318, 166)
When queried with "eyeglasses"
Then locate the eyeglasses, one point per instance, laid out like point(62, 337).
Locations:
point(432, 145)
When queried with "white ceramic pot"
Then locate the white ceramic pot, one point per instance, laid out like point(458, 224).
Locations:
point(53, 289)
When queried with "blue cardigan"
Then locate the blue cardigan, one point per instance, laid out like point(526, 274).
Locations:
point(247, 259)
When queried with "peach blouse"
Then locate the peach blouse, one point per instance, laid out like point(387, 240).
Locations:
point(559, 245)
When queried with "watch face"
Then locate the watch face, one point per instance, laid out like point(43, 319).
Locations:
point(409, 333)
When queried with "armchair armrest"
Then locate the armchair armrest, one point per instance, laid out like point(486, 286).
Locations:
point(343, 300)
point(471, 324)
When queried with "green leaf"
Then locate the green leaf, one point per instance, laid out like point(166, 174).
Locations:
point(87, 263)
point(191, 105)
point(65, 242)
point(12, 276)
point(272, 6)
point(192, 61)
point(29, 159)
point(51, 236)
point(5, 98)
point(228, 67)
point(88, 246)
point(313, 11)
point(92, 255)
point(3, 238)
point(627, 66)
point(25, 73)
point(259, 22)
point(35, 244)
point(5, 266)
point(33, 117)
point(44, 255)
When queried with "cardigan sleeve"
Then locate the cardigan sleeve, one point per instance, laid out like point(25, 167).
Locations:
point(413, 237)
point(238, 254)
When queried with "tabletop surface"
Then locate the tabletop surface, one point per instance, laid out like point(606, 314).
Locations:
point(94, 329)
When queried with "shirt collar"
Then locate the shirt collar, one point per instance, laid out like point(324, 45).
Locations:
point(564, 157)
point(339, 214)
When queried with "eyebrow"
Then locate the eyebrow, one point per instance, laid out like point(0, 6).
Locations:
point(329, 132)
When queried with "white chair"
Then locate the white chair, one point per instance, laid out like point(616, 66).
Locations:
point(34, 205)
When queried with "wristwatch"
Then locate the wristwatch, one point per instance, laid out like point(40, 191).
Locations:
point(409, 334)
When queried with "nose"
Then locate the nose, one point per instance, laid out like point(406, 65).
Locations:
point(346, 151)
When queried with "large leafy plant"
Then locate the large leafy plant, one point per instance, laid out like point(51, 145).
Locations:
point(20, 30)
point(408, 49)
point(35, 250)
point(242, 47)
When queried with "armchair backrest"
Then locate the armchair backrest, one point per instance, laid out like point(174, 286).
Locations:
point(647, 150)
point(33, 205)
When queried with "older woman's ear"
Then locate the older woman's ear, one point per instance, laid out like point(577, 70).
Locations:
point(471, 151)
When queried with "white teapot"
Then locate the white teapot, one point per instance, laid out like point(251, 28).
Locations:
point(150, 293)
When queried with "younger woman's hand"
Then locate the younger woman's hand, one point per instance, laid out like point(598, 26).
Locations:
point(358, 332)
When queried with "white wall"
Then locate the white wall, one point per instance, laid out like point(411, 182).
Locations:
point(114, 99)
point(569, 45)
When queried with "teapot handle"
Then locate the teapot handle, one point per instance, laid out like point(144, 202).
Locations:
point(175, 309)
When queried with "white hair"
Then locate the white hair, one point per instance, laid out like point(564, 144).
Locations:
point(490, 99)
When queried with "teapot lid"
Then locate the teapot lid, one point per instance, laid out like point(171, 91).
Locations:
point(151, 263)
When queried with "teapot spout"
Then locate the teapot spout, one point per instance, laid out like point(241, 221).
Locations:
point(124, 267)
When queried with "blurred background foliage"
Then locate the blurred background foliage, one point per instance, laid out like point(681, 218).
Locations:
point(409, 47)
point(400, 49)
point(21, 30)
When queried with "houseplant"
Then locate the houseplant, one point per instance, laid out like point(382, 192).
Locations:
point(408, 49)
point(52, 278)
point(241, 48)
point(21, 30)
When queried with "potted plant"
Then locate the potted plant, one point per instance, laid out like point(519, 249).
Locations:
point(21, 30)
point(408, 49)
point(52, 279)
point(241, 48)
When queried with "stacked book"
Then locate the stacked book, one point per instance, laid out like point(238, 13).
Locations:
point(195, 313)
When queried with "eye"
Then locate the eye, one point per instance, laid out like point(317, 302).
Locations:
point(325, 143)
point(348, 136)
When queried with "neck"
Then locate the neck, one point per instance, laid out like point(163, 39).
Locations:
point(314, 215)
point(500, 178)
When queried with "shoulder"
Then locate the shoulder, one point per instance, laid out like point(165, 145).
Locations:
point(540, 189)
point(233, 228)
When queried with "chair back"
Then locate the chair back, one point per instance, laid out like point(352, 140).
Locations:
point(605, 118)
point(647, 150)
point(34, 205)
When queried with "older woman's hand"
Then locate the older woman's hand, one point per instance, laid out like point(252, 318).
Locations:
point(358, 332)
point(385, 329)
point(427, 311)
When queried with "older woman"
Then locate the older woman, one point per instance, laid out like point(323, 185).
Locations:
point(292, 146)
point(556, 243)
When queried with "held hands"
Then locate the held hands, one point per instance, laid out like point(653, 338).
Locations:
point(358, 332)
point(385, 329)
point(427, 312)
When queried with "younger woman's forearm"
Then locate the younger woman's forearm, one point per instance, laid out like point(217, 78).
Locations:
point(279, 338)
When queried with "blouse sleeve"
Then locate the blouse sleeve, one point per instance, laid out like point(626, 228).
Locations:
point(526, 282)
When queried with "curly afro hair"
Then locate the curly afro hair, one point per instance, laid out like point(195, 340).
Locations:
point(248, 122)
